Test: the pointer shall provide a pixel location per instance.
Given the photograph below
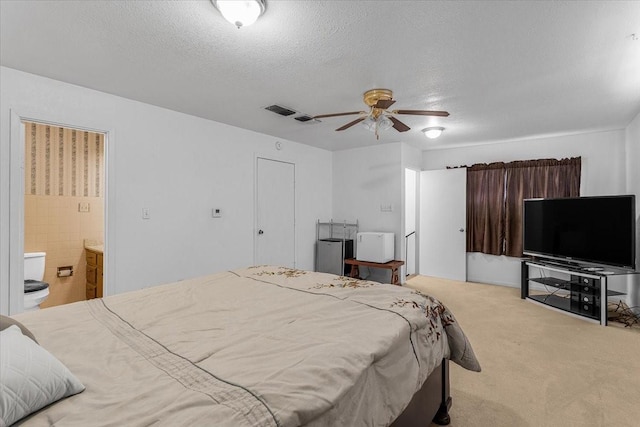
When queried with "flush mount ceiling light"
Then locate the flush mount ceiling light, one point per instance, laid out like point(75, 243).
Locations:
point(432, 132)
point(239, 12)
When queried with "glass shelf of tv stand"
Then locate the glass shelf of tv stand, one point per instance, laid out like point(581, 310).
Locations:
point(560, 296)
point(566, 293)
point(594, 269)
point(558, 283)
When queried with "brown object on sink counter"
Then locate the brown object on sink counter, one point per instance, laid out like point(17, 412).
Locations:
point(94, 271)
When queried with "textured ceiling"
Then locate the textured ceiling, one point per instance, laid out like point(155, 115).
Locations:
point(503, 70)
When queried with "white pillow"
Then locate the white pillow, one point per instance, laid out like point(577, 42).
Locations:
point(30, 377)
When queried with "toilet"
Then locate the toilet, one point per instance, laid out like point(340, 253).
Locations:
point(35, 290)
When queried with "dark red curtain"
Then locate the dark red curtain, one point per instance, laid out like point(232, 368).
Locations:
point(545, 178)
point(485, 208)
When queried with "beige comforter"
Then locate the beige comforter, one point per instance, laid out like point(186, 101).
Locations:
point(262, 346)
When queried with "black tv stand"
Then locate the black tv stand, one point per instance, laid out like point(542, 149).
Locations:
point(579, 289)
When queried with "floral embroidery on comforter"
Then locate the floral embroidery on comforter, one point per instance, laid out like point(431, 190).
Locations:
point(423, 312)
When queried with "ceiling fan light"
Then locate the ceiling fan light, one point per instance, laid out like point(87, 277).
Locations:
point(384, 123)
point(381, 123)
point(369, 123)
point(239, 12)
point(433, 132)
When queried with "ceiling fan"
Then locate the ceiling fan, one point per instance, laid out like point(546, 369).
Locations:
point(379, 117)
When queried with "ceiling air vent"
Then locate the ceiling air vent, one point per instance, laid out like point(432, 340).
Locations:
point(280, 110)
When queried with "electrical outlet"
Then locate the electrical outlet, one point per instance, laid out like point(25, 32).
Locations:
point(386, 208)
point(216, 213)
point(83, 207)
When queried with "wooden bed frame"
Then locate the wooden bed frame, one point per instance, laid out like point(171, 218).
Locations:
point(430, 403)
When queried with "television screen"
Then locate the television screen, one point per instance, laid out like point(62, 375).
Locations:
point(600, 230)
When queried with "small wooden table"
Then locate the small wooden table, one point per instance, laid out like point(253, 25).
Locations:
point(391, 265)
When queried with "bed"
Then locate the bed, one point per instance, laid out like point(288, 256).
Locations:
point(259, 346)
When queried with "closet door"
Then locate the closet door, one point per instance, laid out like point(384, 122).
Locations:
point(443, 219)
point(275, 213)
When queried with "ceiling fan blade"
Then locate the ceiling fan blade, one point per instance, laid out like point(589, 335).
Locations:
point(398, 125)
point(321, 116)
point(384, 103)
point(348, 125)
point(421, 113)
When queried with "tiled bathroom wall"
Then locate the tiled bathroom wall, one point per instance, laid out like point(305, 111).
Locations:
point(54, 225)
point(63, 169)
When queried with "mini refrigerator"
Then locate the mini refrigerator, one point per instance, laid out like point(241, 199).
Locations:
point(331, 253)
point(375, 247)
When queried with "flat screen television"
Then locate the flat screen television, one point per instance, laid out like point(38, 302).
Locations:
point(599, 230)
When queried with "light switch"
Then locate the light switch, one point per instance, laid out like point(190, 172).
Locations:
point(145, 213)
point(386, 208)
point(216, 213)
point(83, 207)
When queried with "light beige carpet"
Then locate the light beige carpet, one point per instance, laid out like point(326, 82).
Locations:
point(539, 367)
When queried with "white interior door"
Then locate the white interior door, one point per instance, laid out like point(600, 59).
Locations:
point(275, 213)
point(443, 216)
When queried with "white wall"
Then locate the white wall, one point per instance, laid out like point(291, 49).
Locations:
point(411, 157)
point(363, 180)
point(178, 166)
point(366, 178)
point(632, 137)
point(603, 172)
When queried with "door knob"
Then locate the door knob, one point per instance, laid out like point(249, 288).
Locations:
point(260, 232)
point(461, 230)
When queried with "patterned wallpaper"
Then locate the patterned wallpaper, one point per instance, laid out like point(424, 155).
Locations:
point(63, 162)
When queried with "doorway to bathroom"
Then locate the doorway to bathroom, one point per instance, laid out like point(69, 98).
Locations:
point(64, 208)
